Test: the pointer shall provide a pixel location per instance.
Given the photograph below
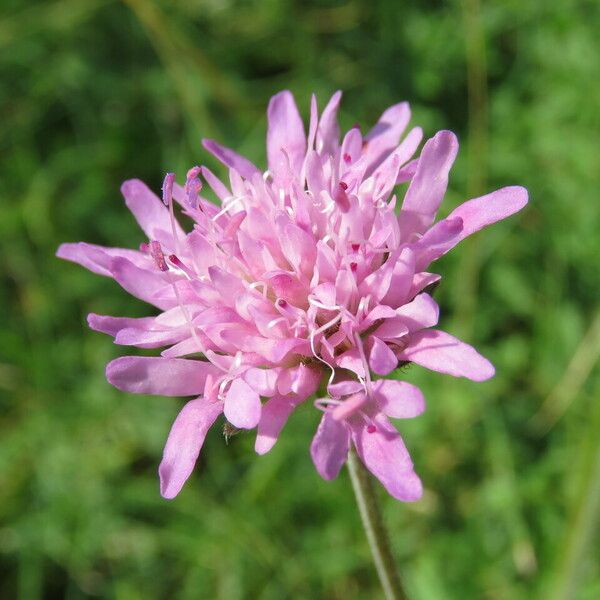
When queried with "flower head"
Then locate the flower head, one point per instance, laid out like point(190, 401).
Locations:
point(309, 272)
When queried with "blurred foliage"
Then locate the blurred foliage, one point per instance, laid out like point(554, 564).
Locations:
point(93, 92)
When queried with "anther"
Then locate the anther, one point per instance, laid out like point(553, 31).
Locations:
point(355, 247)
point(167, 188)
point(347, 158)
point(193, 185)
point(371, 429)
point(353, 267)
point(145, 248)
point(158, 256)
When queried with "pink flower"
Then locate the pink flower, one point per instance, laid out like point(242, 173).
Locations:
point(306, 272)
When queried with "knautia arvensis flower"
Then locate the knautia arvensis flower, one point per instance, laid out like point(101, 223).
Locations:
point(311, 272)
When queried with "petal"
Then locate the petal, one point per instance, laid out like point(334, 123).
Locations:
point(402, 278)
point(422, 312)
point(429, 184)
point(329, 447)
point(344, 388)
point(274, 415)
point(382, 360)
point(285, 132)
point(479, 213)
point(184, 444)
point(383, 452)
point(150, 212)
point(98, 259)
point(439, 351)
point(142, 283)
point(398, 399)
point(384, 137)
point(242, 405)
point(262, 381)
point(437, 241)
point(299, 248)
point(159, 376)
point(231, 159)
point(112, 325)
point(328, 131)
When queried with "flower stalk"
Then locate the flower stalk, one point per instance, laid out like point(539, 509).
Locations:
point(374, 528)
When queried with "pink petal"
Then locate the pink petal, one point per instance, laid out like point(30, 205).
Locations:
point(328, 131)
point(142, 283)
point(398, 399)
point(274, 415)
point(383, 452)
point(382, 360)
point(439, 351)
point(184, 444)
point(422, 281)
point(159, 376)
point(98, 259)
point(429, 184)
point(344, 388)
point(242, 405)
point(299, 248)
point(480, 212)
point(231, 159)
point(422, 312)
point(437, 241)
point(384, 137)
point(402, 277)
point(144, 338)
point(150, 213)
point(262, 381)
point(285, 132)
point(329, 447)
point(112, 325)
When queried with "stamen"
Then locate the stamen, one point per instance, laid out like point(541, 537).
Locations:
point(355, 247)
point(193, 185)
point(347, 158)
point(158, 256)
point(371, 429)
point(353, 267)
point(145, 248)
point(167, 188)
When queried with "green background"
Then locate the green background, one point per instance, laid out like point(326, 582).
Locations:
point(94, 92)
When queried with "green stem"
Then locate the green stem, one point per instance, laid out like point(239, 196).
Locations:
point(376, 533)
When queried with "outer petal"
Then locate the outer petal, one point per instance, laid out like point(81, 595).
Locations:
point(231, 159)
point(422, 312)
point(329, 448)
point(429, 184)
point(328, 131)
point(384, 137)
point(112, 325)
point(382, 360)
point(242, 405)
point(159, 376)
point(98, 259)
point(437, 241)
point(285, 132)
point(479, 213)
point(439, 351)
point(149, 211)
point(399, 399)
point(184, 444)
point(274, 415)
point(383, 452)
